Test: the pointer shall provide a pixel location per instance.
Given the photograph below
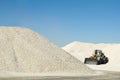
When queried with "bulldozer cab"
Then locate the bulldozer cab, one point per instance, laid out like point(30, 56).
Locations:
point(98, 52)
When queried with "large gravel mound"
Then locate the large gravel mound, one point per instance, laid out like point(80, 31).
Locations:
point(22, 50)
point(81, 50)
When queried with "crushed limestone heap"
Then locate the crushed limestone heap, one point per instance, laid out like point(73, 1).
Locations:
point(81, 50)
point(22, 50)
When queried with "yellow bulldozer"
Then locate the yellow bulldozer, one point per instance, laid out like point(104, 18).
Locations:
point(97, 58)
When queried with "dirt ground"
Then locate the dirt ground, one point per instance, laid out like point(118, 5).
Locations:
point(107, 76)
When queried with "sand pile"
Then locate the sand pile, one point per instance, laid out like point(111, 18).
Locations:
point(22, 50)
point(81, 50)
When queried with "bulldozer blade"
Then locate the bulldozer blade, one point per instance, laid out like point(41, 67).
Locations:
point(91, 61)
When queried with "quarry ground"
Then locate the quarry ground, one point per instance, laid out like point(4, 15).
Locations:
point(107, 76)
